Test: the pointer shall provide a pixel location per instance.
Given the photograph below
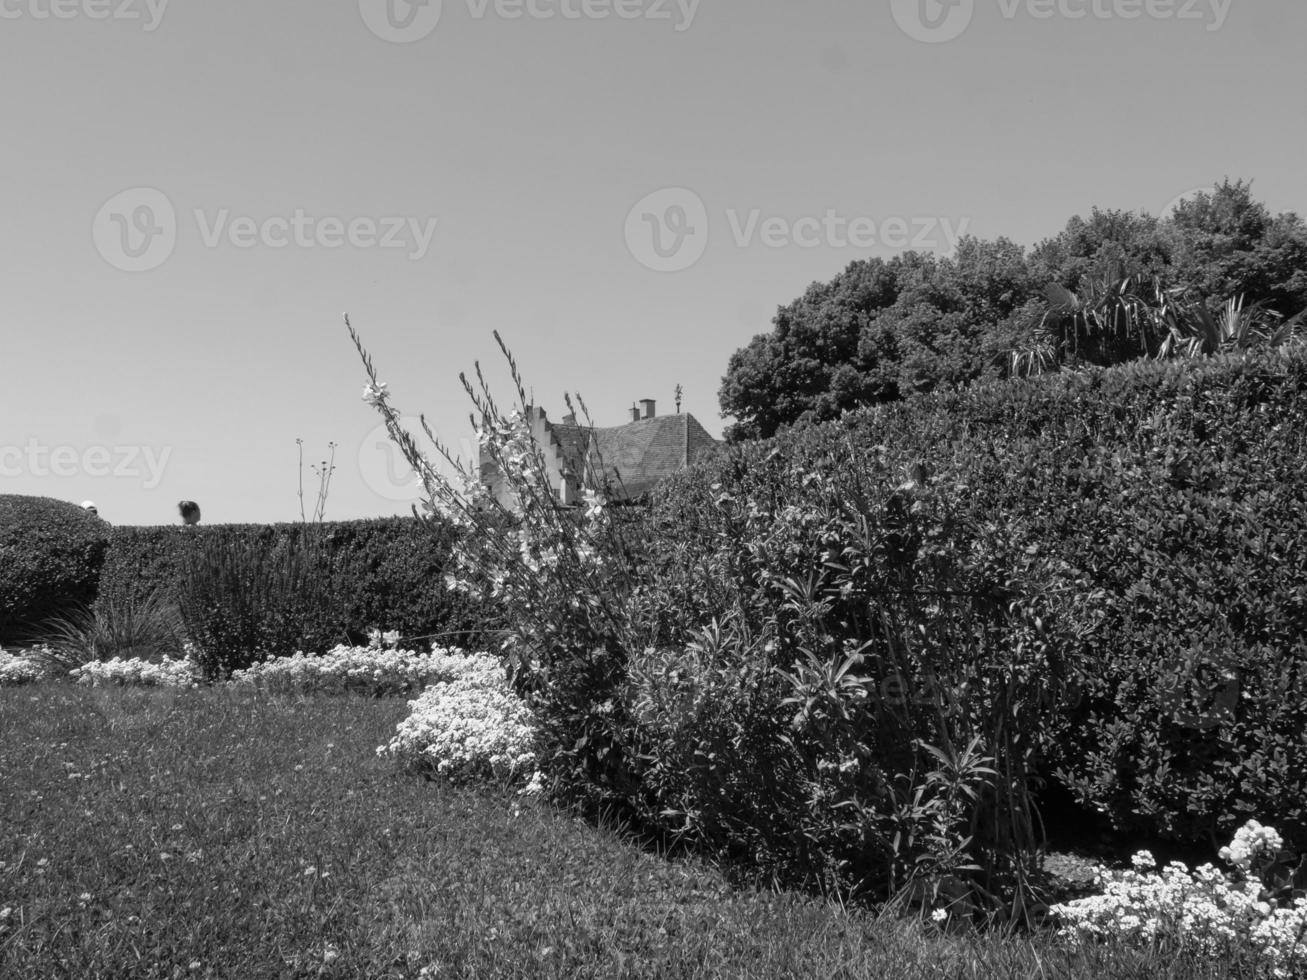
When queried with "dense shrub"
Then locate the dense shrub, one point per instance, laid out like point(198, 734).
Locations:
point(392, 572)
point(839, 663)
point(1174, 498)
point(710, 670)
point(845, 657)
point(1128, 539)
point(244, 599)
point(50, 557)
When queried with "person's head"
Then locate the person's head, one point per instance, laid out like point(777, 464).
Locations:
point(189, 510)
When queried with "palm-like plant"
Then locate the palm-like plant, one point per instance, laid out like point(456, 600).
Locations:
point(1120, 319)
point(1107, 322)
point(1195, 332)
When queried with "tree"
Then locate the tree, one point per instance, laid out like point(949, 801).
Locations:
point(1229, 245)
point(1219, 272)
point(1106, 245)
point(876, 332)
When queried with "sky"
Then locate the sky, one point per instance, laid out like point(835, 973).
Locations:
point(195, 193)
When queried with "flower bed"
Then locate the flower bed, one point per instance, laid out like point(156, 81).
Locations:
point(1252, 912)
point(16, 670)
point(137, 673)
point(360, 670)
point(470, 727)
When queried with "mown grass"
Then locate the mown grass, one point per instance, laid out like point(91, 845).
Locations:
point(223, 834)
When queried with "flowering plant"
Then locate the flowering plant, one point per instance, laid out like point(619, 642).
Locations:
point(469, 726)
point(137, 673)
point(16, 670)
point(369, 670)
point(1218, 914)
point(559, 573)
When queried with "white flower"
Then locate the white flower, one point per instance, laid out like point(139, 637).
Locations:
point(535, 786)
point(375, 395)
point(472, 726)
point(1201, 908)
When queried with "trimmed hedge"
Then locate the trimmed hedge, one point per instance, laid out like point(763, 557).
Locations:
point(392, 568)
point(1166, 505)
point(50, 557)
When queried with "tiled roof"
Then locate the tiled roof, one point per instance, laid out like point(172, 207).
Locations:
point(639, 455)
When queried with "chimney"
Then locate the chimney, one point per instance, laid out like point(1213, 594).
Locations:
point(569, 419)
point(648, 404)
point(635, 413)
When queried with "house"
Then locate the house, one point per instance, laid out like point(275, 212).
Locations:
point(633, 458)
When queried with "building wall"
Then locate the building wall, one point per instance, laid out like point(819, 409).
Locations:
point(543, 436)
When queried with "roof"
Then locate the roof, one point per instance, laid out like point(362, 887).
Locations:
point(638, 455)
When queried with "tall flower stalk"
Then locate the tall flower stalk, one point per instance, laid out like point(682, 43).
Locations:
point(558, 573)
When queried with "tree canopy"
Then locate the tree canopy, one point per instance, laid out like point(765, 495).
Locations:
point(886, 328)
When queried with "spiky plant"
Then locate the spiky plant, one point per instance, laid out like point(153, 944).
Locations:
point(124, 627)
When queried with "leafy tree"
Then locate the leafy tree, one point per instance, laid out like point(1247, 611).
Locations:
point(1230, 246)
point(876, 332)
point(1106, 245)
point(1220, 272)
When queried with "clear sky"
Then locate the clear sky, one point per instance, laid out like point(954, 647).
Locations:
point(194, 193)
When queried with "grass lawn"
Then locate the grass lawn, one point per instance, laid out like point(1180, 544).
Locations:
point(222, 834)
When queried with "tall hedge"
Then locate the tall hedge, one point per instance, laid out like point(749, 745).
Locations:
point(393, 570)
point(50, 557)
point(1167, 502)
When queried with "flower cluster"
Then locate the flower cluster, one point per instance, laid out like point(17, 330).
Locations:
point(469, 727)
point(16, 670)
point(1251, 842)
point(377, 639)
point(1203, 909)
point(137, 673)
point(369, 670)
